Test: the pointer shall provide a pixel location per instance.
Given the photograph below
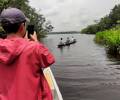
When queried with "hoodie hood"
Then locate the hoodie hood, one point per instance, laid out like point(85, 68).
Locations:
point(10, 49)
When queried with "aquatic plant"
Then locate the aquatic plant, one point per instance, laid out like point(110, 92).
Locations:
point(109, 38)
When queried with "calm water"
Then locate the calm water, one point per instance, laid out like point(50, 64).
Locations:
point(83, 70)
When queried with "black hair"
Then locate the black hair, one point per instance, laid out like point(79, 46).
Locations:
point(12, 28)
point(3, 35)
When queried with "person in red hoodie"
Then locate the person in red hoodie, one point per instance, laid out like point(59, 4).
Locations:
point(22, 61)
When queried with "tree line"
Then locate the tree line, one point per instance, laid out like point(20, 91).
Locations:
point(107, 22)
point(42, 26)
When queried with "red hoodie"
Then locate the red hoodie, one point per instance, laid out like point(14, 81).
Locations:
point(21, 75)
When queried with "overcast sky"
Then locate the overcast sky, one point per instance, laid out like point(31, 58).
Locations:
point(70, 15)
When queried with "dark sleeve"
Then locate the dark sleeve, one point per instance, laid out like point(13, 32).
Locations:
point(44, 56)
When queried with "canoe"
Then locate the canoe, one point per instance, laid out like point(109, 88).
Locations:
point(66, 43)
point(53, 84)
point(61, 45)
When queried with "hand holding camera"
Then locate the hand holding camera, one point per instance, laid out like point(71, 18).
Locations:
point(31, 34)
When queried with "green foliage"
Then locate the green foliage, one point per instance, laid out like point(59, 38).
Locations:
point(91, 29)
point(111, 40)
point(41, 25)
point(109, 37)
point(107, 22)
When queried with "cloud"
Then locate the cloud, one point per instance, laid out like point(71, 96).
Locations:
point(66, 15)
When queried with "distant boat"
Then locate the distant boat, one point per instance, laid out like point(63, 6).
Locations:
point(61, 45)
point(67, 43)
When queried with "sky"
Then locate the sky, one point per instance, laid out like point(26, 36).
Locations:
point(73, 15)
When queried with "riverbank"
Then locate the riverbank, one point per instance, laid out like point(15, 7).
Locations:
point(110, 39)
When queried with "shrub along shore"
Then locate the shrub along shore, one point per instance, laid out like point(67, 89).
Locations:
point(110, 39)
point(107, 31)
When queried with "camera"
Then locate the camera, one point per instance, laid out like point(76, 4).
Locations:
point(30, 29)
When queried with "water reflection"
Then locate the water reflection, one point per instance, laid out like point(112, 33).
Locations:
point(68, 47)
point(113, 58)
point(61, 49)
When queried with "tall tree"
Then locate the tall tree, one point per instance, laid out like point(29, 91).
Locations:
point(35, 18)
point(107, 22)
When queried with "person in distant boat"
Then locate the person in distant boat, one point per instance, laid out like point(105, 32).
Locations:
point(68, 40)
point(61, 41)
point(72, 39)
